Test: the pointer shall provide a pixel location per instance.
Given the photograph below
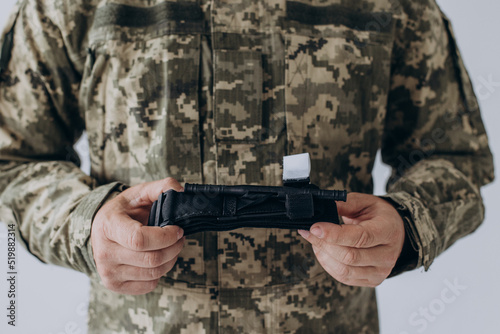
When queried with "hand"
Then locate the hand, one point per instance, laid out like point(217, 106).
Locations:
point(363, 251)
point(129, 256)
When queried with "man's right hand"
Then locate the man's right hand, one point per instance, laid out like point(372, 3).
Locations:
point(131, 256)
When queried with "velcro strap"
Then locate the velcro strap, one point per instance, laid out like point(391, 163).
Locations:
point(229, 206)
point(299, 206)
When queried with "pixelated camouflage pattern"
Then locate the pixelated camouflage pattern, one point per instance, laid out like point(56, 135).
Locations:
point(217, 92)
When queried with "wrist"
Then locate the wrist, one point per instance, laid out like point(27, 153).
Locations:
point(408, 258)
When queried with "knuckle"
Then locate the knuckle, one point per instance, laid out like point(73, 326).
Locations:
point(153, 259)
point(390, 260)
point(384, 273)
point(169, 236)
point(156, 273)
point(107, 274)
point(342, 273)
point(350, 257)
point(101, 255)
point(364, 239)
point(136, 239)
point(104, 229)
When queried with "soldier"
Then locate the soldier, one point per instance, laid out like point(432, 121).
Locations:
point(217, 92)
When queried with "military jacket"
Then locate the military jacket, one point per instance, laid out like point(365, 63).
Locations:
point(215, 91)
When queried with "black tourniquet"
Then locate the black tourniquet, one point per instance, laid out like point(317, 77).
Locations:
point(222, 208)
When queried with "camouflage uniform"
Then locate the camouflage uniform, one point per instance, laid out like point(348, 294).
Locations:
point(217, 92)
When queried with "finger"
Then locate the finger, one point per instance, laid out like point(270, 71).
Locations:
point(358, 236)
point(115, 254)
point(379, 256)
point(145, 194)
point(369, 276)
point(133, 235)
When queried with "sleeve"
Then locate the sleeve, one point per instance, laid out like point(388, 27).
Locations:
point(43, 192)
point(434, 138)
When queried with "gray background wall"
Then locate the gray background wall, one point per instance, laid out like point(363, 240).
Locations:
point(458, 295)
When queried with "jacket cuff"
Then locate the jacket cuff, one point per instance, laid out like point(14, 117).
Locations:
point(81, 222)
point(422, 236)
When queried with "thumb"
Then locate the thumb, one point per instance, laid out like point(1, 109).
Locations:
point(145, 194)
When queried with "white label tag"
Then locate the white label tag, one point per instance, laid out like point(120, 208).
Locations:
point(296, 167)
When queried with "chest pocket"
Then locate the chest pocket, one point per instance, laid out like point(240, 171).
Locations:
point(337, 75)
point(139, 92)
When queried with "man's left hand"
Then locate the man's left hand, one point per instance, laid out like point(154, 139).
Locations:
point(362, 251)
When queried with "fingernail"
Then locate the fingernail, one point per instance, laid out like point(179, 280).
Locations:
point(180, 233)
point(304, 233)
point(317, 231)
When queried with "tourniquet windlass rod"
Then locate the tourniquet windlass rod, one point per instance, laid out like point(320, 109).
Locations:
point(279, 192)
